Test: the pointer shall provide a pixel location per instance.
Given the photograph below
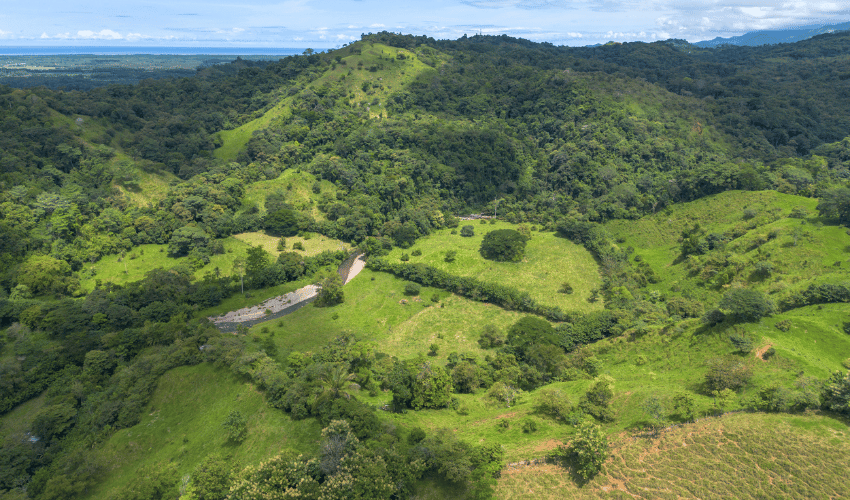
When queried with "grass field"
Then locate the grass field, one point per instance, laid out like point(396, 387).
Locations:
point(549, 261)
point(354, 70)
point(746, 456)
point(315, 245)
point(377, 310)
point(143, 258)
point(298, 187)
point(183, 424)
point(802, 251)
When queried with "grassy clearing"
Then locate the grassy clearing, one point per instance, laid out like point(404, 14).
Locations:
point(801, 251)
point(377, 310)
point(392, 75)
point(549, 262)
point(315, 245)
point(235, 139)
point(182, 424)
point(138, 261)
point(143, 258)
point(298, 187)
point(19, 420)
point(737, 456)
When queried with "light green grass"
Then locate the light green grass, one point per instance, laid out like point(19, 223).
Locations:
point(183, 424)
point(315, 245)
point(298, 187)
point(235, 139)
point(819, 247)
point(143, 258)
point(18, 421)
point(744, 456)
point(374, 310)
point(394, 77)
point(549, 261)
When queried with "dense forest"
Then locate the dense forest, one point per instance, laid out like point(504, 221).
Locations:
point(398, 136)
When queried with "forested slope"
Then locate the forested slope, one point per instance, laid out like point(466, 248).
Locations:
point(735, 159)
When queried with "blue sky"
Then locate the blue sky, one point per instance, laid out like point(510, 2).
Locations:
point(331, 23)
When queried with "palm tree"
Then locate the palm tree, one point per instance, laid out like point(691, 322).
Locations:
point(335, 382)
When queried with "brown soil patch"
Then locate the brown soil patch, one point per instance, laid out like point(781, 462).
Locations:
point(761, 350)
point(542, 469)
point(549, 444)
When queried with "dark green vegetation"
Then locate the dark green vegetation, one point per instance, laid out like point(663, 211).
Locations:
point(671, 245)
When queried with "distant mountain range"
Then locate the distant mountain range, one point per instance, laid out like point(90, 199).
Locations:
point(768, 37)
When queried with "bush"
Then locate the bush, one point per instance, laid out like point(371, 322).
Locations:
point(727, 373)
point(554, 403)
point(412, 289)
point(566, 288)
point(236, 427)
point(331, 292)
point(685, 308)
point(404, 257)
point(298, 246)
point(490, 338)
point(741, 304)
point(589, 449)
point(504, 245)
point(416, 253)
point(742, 342)
point(451, 255)
point(529, 426)
point(467, 231)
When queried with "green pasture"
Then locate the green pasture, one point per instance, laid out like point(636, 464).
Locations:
point(298, 187)
point(183, 424)
point(377, 310)
point(549, 262)
point(745, 456)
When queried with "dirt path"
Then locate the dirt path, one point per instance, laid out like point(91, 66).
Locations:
point(284, 304)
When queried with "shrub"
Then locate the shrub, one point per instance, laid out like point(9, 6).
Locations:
point(554, 403)
point(742, 342)
point(742, 304)
point(467, 231)
point(236, 427)
point(491, 337)
point(404, 257)
point(331, 292)
point(281, 244)
point(589, 449)
point(451, 255)
point(727, 373)
point(783, 326)
point(298, 246)
point(566, 288)
point(504, 245)
point(529, 426)
point(416, 253)
point(597, 398)
point(412, 289)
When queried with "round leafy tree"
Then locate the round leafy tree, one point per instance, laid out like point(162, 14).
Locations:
point(284, 222)
point(505, 245)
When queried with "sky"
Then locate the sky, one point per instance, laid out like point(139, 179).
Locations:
point(332, 23)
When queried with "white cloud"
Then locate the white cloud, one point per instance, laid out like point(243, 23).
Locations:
point(377, 25)
point(45, 35)
point(100, 35)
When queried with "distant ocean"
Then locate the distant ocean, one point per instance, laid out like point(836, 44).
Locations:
point(180, 51)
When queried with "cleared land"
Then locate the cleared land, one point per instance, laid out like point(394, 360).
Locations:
point(549, 262)
point(745, 456)
point(183, 424)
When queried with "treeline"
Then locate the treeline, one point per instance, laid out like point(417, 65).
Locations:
point(501, 295)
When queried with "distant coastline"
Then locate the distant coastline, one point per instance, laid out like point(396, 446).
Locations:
point(122, 50)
